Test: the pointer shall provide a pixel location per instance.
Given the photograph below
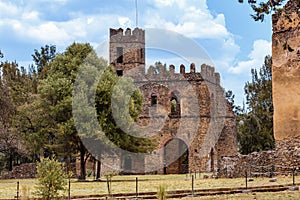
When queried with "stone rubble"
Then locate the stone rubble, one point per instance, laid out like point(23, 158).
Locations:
point(19, 172)
point(280, 161)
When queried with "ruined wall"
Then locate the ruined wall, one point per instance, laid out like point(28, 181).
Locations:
point(286, 71)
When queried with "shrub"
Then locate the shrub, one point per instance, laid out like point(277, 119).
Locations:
point(51, 179)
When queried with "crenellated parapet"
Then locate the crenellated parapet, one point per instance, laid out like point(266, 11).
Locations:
point(119, 35)
point(207, 73)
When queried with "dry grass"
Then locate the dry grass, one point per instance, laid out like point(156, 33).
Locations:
point(286, 195)
point(149, 183)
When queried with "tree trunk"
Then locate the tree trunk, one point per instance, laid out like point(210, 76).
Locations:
point(98, 169)
point(82, 162)
point(10, 162)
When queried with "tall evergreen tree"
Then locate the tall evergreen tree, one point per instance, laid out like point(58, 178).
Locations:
point(14, 86)
point(255, 124)
point(43, 58)
point(56, 94)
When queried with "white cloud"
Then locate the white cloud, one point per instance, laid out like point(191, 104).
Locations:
point(90, 20)
point(30, 16)
point(191, 18)
point(55, 1)
point(261, 48)
point(25, 23)
point(124, 22)
point(48, 32)
point(8, 9)
point(165, 3)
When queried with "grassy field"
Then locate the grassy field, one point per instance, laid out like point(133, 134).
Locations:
point(126, 184)
point(286, 195)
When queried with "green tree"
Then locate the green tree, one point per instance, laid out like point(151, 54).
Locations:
point(255, 124)
point(265, 7)
point(118, 105)
point(16, 80)
point(111, 94)
point(8, 141)
point(14, 85)
point(43, 58)
point(35, 125)
point(25, 119)
point(56, 94)
point(51, 179)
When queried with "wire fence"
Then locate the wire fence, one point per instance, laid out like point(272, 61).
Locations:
point(192, 179)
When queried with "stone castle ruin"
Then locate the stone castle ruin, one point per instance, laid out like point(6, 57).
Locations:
point(186, 112)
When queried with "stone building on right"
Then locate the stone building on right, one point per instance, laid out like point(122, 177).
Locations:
point(286, 71)
point(286, 101)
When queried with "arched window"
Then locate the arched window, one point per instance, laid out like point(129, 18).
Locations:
point(175, 104)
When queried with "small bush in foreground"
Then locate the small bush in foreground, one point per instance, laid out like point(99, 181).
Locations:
point(51, 179)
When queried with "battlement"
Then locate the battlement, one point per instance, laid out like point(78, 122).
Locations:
point(119, 35)
point(207, 72)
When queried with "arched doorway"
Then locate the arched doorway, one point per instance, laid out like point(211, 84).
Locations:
point(176, 157)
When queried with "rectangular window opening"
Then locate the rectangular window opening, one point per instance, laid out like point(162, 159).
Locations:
point(119, 54)
point(153, 100)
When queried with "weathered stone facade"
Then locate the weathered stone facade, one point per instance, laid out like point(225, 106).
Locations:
point(286, 71)
point(126, 50)
point(186, 112)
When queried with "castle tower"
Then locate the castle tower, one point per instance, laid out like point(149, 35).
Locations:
point(286, 71)
point(126, 49)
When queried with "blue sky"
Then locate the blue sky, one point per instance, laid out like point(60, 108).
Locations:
point(234, 42)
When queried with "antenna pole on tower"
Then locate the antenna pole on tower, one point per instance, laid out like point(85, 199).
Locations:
point(136, 13)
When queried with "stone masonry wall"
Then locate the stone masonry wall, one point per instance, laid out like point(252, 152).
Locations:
point(286, 71)
point(133, 44)
point(210, 106)
point(279, 161)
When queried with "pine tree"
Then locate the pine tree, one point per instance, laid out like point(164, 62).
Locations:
point(265, 7)
point(255, 124)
